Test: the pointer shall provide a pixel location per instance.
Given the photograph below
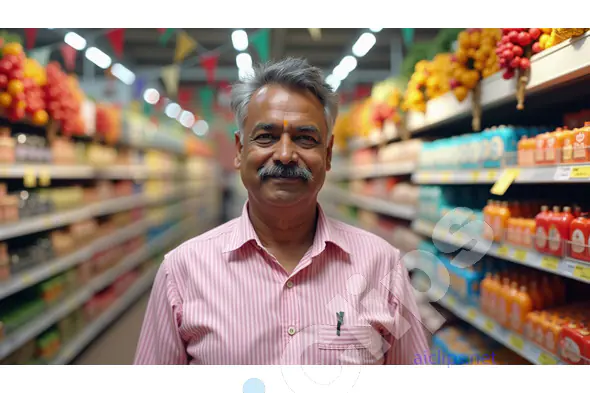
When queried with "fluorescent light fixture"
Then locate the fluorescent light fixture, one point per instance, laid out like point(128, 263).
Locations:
point(363, 44)
point(98, 57)
point(151, 96)
point(376, 30)
point(340, 72)
point(245, 73)
point(201, 128)
point(349, 63)
point(75, 41)
point(239, 39)
point(333, 81)
point(123, 73)
point(244, 60)
point(187, 119)
point(172, 110)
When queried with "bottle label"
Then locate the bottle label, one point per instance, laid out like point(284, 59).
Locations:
point(539, 335)
point(541, 238)
point(549, 341)
point(554, 238)
point(550, 150)
point(571, 351)
point(515, 316)
point(578, 241)
point(579, 146)
point(567, 150)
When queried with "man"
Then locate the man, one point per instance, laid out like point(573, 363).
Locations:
point(282, 284)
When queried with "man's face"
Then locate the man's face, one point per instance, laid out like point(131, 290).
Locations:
point(285, 152)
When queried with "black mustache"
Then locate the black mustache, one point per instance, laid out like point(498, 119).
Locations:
point(285, 171)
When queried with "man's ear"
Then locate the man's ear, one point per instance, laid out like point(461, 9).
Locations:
point(329, 153)
point(239, 147)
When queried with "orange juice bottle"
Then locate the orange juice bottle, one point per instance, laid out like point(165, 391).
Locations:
point(540, 148)
point(494, 288)
point(522, 153)
point(510, 231)
point(500, 221)
point(503, 302)
point(488, 217)
point(536, 295)
point(539, 332)
point(567, 150)
point(485, 293)
point(552, 336)
point(528, 231)
point(521, 306)
point(530, 325)
point(554, 146)
point(582, 143)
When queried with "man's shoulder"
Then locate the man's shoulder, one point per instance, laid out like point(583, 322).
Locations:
point(358, 239)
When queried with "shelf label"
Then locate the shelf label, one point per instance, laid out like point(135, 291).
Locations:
point(562, 173)
point(504, 181)
point(471, 314)
point(582, 272)
point(446, 177)
point(546, 359)
point(492, 174)
point(29, 178)
point(550, 263)
point(27, 279)
point(425, 177)
point(580, 172)
point(44, 178)
point(489, 325)
point(520, 255)
point(516, 342)
point(503, 251)
point(474, 176)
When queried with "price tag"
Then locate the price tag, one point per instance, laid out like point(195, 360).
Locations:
point(562, 173)
point(503, 251)
point(446, 177)
point(520, 255)
point(425, 177)
point(546, 359)
point(516, 342)
point(489, 325)
point(30, 179)
point(471, 314)
point(27, 279)
point(580, 172)
point(504, 181)
point(492, 175)
point(550, 263)
point(44, 178)
point(582, 272)
point(474, 176)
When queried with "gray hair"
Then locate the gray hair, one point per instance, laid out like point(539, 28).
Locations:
point(290, 72)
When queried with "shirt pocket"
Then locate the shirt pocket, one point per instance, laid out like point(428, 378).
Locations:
point(355, 345)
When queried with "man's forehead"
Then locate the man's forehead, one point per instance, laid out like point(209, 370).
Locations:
point(284, 98)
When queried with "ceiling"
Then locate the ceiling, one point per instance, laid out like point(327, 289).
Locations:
point(144, 55)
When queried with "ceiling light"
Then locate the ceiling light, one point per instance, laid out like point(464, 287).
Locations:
point(349, 63)
point(187, 119)
point(363, 44)
point(98, 57)
point(239, 39)
point(376, 30)
point(245, 73)
point(123, 73)
point(244, 60)
point(200, 128)
point(340, 72)
point(75, 41)
point(172, 110)
point(151, 96)
point(333, 81)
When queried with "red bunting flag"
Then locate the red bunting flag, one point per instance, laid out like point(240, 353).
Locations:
point(209, 63)
point(117, 39)
point(30, 37)
point(185, 96)
point(69, 55)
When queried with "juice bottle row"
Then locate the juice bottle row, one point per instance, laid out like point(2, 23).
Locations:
point(561, 146)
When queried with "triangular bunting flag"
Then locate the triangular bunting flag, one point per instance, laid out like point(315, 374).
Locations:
point(185, 96)
point(184, 45)
point(316, 34)
point(207, 95)
point(117, 38)
point(30, 37)
point(41, 55)
point(170, 76)
point(166, 34)
point(408, 36)
point(69, 55)
point(209, 63)
point(161, 31)
point(261, 41)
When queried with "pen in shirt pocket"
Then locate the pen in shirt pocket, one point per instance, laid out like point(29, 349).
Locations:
point(340, 316)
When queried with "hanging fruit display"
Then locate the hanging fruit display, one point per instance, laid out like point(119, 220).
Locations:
point(108, 122)
point(415, 95)
point(62, 99)
point(386, 98)
point(12, 86)
point(35, 79)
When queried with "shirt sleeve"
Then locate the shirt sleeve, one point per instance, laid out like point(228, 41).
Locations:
point(160, 342)
point(408, 341)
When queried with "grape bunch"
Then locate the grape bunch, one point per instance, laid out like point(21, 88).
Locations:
point(515, 49)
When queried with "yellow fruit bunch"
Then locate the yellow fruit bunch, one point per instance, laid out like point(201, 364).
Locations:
point(474, 59)
point(35, 71)
point(415, 98)
point(558, 35)
point(439, 75)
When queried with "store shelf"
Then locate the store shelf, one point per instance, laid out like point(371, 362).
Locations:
point(565, 267)
point(54, 171)
point(81, 341)
point(79, 297)
point(377, 205)
point(50, 268)
point(537, 174)
point(517, 343)
point(57, 219)
point(376, 170)
point(554, 66)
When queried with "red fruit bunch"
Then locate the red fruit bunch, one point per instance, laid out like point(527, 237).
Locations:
point(515, 49)
point(61, 102)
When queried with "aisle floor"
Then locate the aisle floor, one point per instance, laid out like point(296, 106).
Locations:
point(116, 346)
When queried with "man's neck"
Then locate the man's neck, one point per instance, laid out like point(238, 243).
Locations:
point(280, 228)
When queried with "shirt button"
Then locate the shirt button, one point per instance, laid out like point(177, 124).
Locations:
point(290, 284)
point(291, 331)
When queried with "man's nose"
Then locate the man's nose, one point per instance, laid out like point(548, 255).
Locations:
point(285, 151)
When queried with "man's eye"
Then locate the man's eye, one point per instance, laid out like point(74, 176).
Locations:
point(306, 138)
point(264, 137)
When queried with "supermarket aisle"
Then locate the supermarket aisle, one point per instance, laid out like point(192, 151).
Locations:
point(116, 346)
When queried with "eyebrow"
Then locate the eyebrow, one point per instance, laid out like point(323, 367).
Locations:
point(272, 126)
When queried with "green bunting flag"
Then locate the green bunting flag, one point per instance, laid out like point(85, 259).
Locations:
point(165, 36)
point(408, 36)
point(261, 42)
point(207, 95)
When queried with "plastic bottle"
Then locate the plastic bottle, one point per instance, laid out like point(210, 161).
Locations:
point(580, 238)
point(502, 309)
point(485, 293)
point(501, 219)
point(528, 232)
point(542, 229)
point(536, 295)
point(582, 143)
point(559, 230)
point(567, 155)
point(494, 288)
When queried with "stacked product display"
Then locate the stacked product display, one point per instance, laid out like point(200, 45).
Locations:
point(499, 223)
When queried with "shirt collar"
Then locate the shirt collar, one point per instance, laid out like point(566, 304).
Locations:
point(244, 233)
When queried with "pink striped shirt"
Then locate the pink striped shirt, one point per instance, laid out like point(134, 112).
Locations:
point(220, 298)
